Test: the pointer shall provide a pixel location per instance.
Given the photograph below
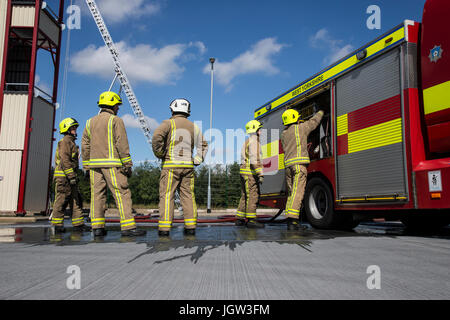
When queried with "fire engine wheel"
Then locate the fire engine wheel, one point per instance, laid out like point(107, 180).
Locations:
point(319, 207)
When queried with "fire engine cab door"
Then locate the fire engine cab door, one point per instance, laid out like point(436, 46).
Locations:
point(369, 130)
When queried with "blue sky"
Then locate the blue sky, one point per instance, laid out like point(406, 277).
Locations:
point(262, 48)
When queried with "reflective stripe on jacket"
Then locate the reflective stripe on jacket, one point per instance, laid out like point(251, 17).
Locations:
point(105, 142)
point(66, 158)
point(174, 141)
point(251, 157)
point(294, 140)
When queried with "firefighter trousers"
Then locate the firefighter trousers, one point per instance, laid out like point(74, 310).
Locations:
point(249, 197)
point(171, 180)
point(296, 182)
point(117, 183)
point(65, 193)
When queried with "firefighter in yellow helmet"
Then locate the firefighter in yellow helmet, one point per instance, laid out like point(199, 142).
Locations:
point(251, 173)
point(294, 140)
point(106, 154)
point(65, 177)
point(173, 142)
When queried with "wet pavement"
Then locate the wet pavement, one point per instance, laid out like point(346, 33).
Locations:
point(223, 261)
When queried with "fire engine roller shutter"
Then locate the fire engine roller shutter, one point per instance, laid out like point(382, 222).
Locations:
point(370, 159)
point(274, 181)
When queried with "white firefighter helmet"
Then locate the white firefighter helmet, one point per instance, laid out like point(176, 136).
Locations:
point(181, 105)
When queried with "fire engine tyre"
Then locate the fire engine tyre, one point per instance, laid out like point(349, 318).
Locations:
point(319, 208)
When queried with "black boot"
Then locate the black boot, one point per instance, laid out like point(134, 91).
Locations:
point(252, 223)
point(60, 229)
point(100, 232)
point(294, 225)
point(82, 228)
point(133, 233)
point(189, 232)
point(239, 222)
point(162, 233)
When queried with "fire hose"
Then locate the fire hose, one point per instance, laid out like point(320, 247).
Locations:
point(220, 219)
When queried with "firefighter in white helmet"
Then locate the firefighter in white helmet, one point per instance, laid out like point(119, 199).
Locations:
point(65, 177)
point(251, 173)
point(294, 140)
point(173, 142)
point(106, 154)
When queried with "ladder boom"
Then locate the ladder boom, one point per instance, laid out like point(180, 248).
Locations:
point(137, 110)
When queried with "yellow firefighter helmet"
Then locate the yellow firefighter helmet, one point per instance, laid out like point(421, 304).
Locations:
point(66, 124)
point(109, 99)
point(290, 116)
point(252, 126)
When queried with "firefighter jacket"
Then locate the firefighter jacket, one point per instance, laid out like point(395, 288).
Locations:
point(251, 157)
point(294, 140)
point(174, 141)
point(105, 143)
point(66, 158)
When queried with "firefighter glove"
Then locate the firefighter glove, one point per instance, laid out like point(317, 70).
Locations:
point(126, 171)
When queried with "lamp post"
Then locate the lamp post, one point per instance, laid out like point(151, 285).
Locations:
point(208, 208)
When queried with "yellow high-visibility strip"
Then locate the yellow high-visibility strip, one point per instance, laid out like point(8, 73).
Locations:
point(173, 129)
point(240, 214)
point(178, 165)
point(167, 200)
point(299, 159)
point(126, 221)
point(128, 224)
point(247, 195)
point(162, 224)
point(117, 192)
point(88, 128)
point(250, 215)
point(91, 176)
point(68, 171)
point(437, 98)
point(110, 138)
point(194, 203)
point(125, 160)
point(297, 140)
point(373, 49)
point(379, 135)
point(281, 161)
point(342, 125)
point(294, 188)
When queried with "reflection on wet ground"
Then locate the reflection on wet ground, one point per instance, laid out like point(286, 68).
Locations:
point(224, 233)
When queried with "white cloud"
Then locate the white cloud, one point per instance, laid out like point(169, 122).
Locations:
point(335, 47)
point(258, 59)
point(44, 89)
point(115, 11)
point(131, 121)
point(141, 63)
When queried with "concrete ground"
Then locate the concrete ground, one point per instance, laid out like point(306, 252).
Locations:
point(225, 262)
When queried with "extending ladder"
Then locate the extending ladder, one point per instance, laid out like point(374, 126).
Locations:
point(120, 74)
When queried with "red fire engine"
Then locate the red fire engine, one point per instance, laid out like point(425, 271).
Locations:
point(383, 147)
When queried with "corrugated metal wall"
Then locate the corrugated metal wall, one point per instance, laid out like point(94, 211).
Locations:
point(378, 170)
point(49, 27)
point(12, 134)
point(39, 156)
point(22, 16)
point(10, 163)
point(3, 12)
